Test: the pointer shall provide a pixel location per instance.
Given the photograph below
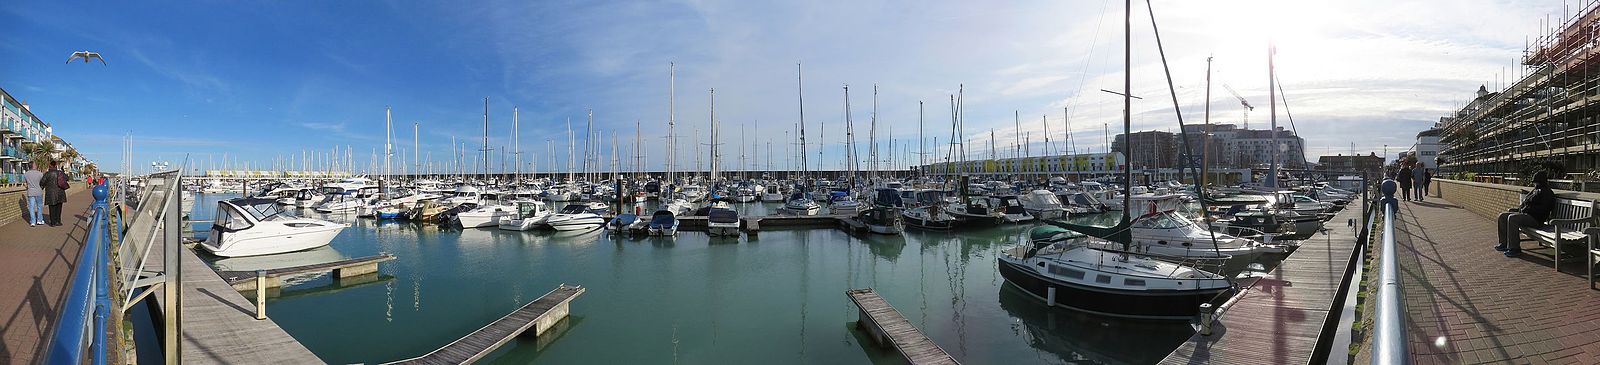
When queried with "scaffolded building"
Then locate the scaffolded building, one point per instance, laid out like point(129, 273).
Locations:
point(1547, 116)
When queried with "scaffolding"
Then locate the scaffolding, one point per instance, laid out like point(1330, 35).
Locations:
point(1546, 116)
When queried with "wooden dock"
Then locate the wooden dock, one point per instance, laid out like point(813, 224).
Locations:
point(889, 328)
point(540, 314)
point(219, 324)
point(1278, 318)
point(246, 280)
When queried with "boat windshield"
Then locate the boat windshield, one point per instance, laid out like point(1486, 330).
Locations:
point(263, 211)
point(1167, 220)
point(575, 209)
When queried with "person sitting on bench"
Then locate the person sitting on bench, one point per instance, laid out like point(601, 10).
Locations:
point(1533, 212)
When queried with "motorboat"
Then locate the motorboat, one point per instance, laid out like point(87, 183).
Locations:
point(931, 217)
point(620, 223)
point(722, 222)
point(425, 211)
point(251, 227)
point(773, 195)
point(485, 216)
point(1057, 267)
point(1043, 204)
point(307, 198)
point(976, 212)
point(575, 217)
point(678, 206)
point(529, 215)
point(744, 195)
point(1011, 207)
point(463, 194)
point(663, 223)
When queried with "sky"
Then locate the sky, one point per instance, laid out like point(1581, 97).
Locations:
point(253, 84)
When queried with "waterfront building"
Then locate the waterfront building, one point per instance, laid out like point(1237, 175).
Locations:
point(1231, 146)
point(19, 130)
point(1370, 164)
point(1152, 149)
point(1426, 150)
point(1086, 164)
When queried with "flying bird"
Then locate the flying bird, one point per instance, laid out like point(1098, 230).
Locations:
point(86, 55)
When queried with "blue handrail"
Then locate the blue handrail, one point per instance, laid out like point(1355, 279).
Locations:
point(82, 323)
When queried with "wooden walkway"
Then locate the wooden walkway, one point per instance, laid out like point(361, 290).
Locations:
point(220, 325)
point(1278, 318)
point(246, 280)
point(544, 312)
point(887, 326)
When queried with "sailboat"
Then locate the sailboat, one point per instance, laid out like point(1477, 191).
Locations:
point(1060, 265)
point(800, 202)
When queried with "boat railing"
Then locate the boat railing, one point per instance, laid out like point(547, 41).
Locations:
point(80, 334)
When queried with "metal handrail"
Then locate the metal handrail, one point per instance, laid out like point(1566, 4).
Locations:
point(1389, 332)
point(82, 324)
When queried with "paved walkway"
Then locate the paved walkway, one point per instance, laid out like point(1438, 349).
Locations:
point(1469, 304)
point(35, 265)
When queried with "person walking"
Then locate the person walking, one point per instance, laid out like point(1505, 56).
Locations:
point(1532, 212)
point(1420, 180)
point(33, 179)
point(55, 185)
point(1404, 178)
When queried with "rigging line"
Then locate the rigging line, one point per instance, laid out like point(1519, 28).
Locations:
point(1187, 160)
point(1285, 99)
point(1083, 73)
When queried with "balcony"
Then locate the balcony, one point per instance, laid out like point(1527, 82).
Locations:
point(8, 153)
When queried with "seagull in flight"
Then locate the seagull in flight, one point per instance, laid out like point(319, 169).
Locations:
point(86, 55)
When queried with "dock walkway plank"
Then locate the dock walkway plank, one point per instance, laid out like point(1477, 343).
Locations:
point(219, 324)
point(476, 345)
point(1278, 319)
point(907, 339)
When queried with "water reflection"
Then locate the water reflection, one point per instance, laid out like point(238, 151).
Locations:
point(1066, 336)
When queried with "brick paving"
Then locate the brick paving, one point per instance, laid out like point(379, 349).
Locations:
point(35, 265)
point(1469, 304)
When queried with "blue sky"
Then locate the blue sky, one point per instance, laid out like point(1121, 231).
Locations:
point(262, 80)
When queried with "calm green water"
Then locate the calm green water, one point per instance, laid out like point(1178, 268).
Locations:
point(775, 299)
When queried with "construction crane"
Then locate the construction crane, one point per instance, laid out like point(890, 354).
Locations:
point(1246, 104)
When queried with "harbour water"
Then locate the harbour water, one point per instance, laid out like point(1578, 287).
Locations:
point(777, 298)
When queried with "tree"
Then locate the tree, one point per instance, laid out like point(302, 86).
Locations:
point(41, 153)
point(89, 169)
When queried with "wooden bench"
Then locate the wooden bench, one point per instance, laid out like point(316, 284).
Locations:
point(1592, 256)
point(1568, 225)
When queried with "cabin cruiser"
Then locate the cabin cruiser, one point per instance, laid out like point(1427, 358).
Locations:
point(976, 212)
point(620, 223)
point(425, 211)
point(464, 194)
point(345, 200)
point(1011, 207)
point(678, 206)
point(529, 214)
point(773, 195)
point(692, 193)
point(722, 221)
point(663, 223)
point(485, 216)
point(744, 194)
point(884, 217)
point(250, 227)
point(1060, 268)
point(1108, 198)
point(306, 198)
point(1043, 204)
point(575, 217)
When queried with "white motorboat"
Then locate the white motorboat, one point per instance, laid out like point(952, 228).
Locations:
point(1011, 207)
point(1043, 204)
point(575, 217)
point(841, 203)
point(722, 221)
point(530, 214)
point(250, 227)
point(464, 194)
point(744, 195)
point(485, 216)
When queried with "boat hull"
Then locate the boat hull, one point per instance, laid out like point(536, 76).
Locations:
point(1122, 303)
point(253, 245)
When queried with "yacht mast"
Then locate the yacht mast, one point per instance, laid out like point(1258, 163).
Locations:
point(486, 138)
point(516, 145)
point(801, 93)
point(850, 158)
point(1127, 106)
point(712, 176)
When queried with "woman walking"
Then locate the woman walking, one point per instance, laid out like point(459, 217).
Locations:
point(1420, 178)
point(55, 192)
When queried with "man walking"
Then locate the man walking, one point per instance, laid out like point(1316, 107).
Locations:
point(55, 192)
point(1533, 212)
point(32, 178)
point(1404, 178)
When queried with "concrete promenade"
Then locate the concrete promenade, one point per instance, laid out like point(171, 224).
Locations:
point(36, 265)
point(1468, 304)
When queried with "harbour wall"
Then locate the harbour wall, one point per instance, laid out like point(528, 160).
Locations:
point(1489, 199)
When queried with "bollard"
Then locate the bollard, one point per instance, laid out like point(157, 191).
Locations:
point(261, 294)
point(1206, 316)
point(1050, 296)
